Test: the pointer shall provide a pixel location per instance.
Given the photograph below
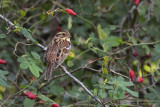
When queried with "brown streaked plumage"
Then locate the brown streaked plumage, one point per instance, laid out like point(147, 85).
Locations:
point(57, 51)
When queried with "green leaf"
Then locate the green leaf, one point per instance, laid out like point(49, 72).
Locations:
point(102, 35)
point(86, 42)
point(156, 11)
point(105, 46)
point(131, 92)
point(25, 32)
point(21, 59)
point(56, 90)
point(108, 87)
point(113, 94)
point(94, 79)
point(95, 92)
point(157, 49)
point(24, 65)
point(142, 10)
point(114, 41)
point(132, 39)
point(124, 83)
point(70, 63)
point(69, 22)
point(35, 55)
point(37, 68)
point(105, 71)
point(23, 13)
point(45, 98)
point(2, 36)
point(3, 79)
point(71, 55)
point(31, 60)
point(28, 103)
point(120, 93)
point(112, 27)
point(105, 60)
point(34, 70)
point(147, 49)
point(107, 30)
point(36, 42)
point(102, 93)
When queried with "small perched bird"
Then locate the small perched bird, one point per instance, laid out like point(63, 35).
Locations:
point(57, 51)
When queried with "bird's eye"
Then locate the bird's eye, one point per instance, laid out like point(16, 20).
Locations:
point(63, 34)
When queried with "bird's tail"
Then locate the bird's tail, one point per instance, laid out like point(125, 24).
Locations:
point(48, 72)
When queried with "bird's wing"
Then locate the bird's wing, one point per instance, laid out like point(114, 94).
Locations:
point(51, 52)
point(62, 53)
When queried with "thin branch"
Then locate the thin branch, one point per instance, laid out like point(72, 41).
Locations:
point(19, 71)
point(15, 49)
point(5, 100)
point(81, 84)
point(93, 69)
point(109, 63)
point(58, 76)
point(41, 46)
point(9, 22)
point(14, 83)
point(119, 73)
point(10, 96)
point(61, 75)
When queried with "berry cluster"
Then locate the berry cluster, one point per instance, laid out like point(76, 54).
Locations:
point(132, 76)
point(30, 95)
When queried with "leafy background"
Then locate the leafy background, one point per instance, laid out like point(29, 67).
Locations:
point(108, 30)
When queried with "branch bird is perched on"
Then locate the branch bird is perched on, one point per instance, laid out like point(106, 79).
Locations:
point(57, 51)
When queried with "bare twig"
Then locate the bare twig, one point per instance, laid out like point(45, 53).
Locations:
point(119, 73)
point(109, 62)
point(19, 71)
point(93, 69)
point(5, 100)
point(14, 83)
point(150, 10)
point(15, 49)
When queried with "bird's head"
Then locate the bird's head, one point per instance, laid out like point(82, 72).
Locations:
point(63, 35)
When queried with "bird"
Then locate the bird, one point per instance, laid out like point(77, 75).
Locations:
point(57, 51)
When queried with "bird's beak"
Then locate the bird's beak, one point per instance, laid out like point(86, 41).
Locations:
point(70, 36)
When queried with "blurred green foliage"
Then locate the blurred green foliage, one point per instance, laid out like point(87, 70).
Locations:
point(107, 29)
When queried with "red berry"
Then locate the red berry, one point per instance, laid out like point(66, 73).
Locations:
point(2, 61)
point(31, 96)
point(140, 80)
point(149, 55)
point(126, 93)
point(55, 105)
point(71, 12)
point(132, 75)
point(27, 93)
point(135, 54)
point(58, 29)
point(41, 101)
point(136, 2)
